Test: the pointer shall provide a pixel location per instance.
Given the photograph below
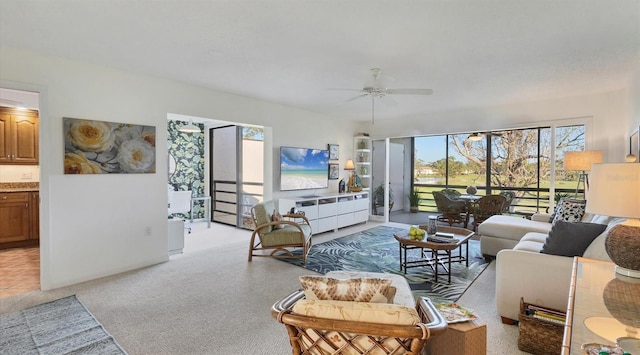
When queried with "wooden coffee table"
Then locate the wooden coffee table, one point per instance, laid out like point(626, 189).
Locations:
point(434, 254)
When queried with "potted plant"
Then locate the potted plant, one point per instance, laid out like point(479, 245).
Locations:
point(378, 198)
point(414, 200)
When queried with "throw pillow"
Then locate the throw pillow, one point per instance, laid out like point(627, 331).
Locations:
point(358, 289)
point(569, 210)
point(571, 238)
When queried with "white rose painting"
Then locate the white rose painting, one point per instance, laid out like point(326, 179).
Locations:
point(99, 147)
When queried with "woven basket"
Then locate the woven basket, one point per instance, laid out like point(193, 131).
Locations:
point(537, 336)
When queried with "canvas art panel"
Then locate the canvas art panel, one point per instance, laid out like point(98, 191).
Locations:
point(101, 147)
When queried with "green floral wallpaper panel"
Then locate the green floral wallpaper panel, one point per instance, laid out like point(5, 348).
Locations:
point(188, 152)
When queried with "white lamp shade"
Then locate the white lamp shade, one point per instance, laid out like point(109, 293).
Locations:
point(581, 160)
point(349, 165)
point(614, 190)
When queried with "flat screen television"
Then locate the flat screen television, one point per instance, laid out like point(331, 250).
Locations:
point(303, 168)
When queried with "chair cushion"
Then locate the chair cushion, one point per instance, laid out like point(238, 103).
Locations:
point(571, 238)
point(263, 212)
point(288, 235)
point(511, 227)
point(355, 289)
point(366, 312)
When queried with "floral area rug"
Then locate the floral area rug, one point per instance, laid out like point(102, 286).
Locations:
point(376, 250)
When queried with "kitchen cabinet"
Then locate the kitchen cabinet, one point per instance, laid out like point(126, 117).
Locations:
point(19, 219)
point(18, 136)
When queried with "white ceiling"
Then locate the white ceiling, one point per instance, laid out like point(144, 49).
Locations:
point(470, 52)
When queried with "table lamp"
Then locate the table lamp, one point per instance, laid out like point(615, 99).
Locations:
point(349, 166)
point(582, 161)
point(615, 191)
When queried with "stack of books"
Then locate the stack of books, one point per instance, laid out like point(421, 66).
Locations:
point(545, 314)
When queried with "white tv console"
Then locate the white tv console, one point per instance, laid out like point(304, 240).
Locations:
point(330, 212)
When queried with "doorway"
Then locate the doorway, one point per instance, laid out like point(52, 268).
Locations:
point(20, 182)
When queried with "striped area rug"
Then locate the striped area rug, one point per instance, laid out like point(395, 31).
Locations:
point(63, 326)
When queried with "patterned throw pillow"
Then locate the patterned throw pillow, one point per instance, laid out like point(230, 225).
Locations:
point(358, 289)
point(569, 210)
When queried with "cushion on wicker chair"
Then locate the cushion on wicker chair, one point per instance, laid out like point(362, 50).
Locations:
point(355, 289)
point(263, 213)
point(366, 312)
point(287, 234)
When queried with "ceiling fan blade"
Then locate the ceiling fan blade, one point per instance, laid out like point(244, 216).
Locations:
point(337, 89)
point(409, 91)
point(388, 100)
point(357, 97)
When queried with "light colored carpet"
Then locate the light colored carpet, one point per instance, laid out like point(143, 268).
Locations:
point(210, 300)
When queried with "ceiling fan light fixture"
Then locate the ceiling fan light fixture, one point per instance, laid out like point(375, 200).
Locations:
point(475, 137)
point(189, 128)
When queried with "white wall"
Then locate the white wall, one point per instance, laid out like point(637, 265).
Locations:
point(95, 225)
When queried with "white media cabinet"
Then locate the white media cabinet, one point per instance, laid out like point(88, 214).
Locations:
point(330, 212)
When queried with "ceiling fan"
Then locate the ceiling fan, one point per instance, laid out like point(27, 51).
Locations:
point(377, 89)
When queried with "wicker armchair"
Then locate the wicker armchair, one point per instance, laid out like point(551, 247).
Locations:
point(279, 236)
point(486, 207)
point(509, 196)
point(452, 211)
point(322, 336)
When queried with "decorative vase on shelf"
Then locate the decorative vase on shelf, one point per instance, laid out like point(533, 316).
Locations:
point(363, 170)
point(361, 145)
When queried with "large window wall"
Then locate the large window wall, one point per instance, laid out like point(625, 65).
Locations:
point(522, 161)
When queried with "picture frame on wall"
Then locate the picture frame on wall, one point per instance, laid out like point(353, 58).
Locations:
point(334, 171)
point(334, 152)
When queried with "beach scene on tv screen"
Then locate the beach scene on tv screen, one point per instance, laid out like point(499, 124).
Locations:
point(302, 169)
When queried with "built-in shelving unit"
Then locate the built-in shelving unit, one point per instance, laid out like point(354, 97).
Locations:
point(330, 212)
point(362, 160)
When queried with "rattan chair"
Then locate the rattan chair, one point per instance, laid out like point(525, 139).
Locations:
point(281, 236)
point(322, 336)
point(486, 207)
point(452, 211)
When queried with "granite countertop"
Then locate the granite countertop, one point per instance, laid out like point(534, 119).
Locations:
point(19, 186)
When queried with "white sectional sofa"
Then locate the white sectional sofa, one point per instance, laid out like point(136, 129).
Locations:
point(522, 271)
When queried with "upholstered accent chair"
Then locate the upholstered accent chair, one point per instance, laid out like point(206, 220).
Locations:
point(452, 211)
point(279, 234)
point(487, 206)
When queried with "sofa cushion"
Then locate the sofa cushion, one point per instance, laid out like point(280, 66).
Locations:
point(569, 210)
point(357, 289)
point(571, 238)
point(511, 227)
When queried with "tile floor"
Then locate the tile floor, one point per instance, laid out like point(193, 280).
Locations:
point(19, 271)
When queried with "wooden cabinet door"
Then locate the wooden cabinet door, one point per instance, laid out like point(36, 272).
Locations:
point(5, 138)
point(18, 136)
point(25, 146)
point(14, 217)
point(35, 215)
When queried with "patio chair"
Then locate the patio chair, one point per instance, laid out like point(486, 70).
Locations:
point(452, 211)
point(326, 327)
point(486, 207)
point(278, 233)
point(509, 196)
